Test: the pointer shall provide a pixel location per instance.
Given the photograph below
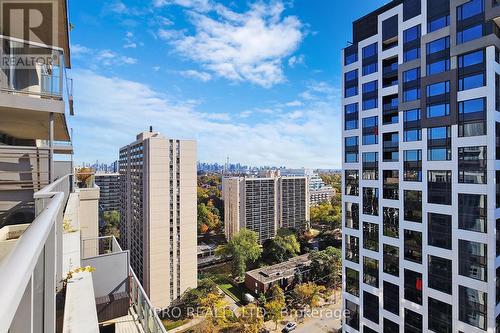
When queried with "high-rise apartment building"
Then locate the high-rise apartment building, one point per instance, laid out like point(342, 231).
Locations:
point(158, 214)
point(420, 172)
point(109, 185)
point(264, 204)
point(318, 191)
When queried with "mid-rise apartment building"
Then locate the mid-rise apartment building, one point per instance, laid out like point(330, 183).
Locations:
point(264, 204)
point(318, 191)
point(158, 214)
point(109, 185)
point(420, 168)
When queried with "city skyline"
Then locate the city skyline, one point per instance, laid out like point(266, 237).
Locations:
point(281, 111)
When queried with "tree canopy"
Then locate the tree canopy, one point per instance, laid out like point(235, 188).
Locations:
point(281, 248)
point(243, 247)
point(326, 266)
point(327, 213)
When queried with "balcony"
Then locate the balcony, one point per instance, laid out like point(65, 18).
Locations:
point(35, 260)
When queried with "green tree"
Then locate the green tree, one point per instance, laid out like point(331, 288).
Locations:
point(208, 217)
point(281, 248)
point(242, 248)
point(111, 225)
point(275, 293)
point(191, 298)
point(308, 294)
point(326, 266)
point(326, 213)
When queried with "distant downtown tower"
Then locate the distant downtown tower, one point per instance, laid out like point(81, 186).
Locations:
point(420, 172)
point(158, 214)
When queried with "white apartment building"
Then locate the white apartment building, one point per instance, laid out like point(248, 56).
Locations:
point(420, 168)
point(318, 190)
point(264, 204)
point(158, 214)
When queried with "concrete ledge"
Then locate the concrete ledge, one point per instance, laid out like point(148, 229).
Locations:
point(80, 315)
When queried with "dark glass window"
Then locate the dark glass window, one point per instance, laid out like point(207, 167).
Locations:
point(413, 206)
point(413, 246)
point(411, 43)
point(471, 81)
point(391, 297)
point(440, 274)
point(351, 116)
point(411, 75)
point(438, 66)
point(350, 57)
point(439, 187)
point(370, 236)
point(470, 9)
point(391, 222)
point(438, 45)
point(413, 286)
point(439, 88)
point(438, 110)
point(370, 61)
point(390, 326)
point(472, 117)
point(439, 143)
point(352, 215)
point(390, 72)
point(440, 316)
point(391, 184)
point(370, 95)
point(391, 260)
point(352, 319)
point(352, 182)
point(438, 56)
point(390, 146)
point(352, 281)
point(370, 307)
point(351, 75)
point(351, 147)
point(366, 329)
point(412, 165)
point(370, 201)
point(439, 230)
point(370, 130)
point(470, 33)
point(370, 272)
point(473, 261)
point(390, 109)
point(370, 51)
point(370, 166)
point(472, 307)
point(412, 126)
point(352, 248)
point(472, 210)
point(472, 165)
point(413, 322)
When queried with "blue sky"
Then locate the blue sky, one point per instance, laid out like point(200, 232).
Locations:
point(257, 81)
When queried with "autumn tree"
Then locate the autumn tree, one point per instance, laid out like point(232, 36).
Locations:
point(111, 225)
point(242, 248)
point(276, 293)
point(326, 213)
point(308, 294)
point(250, 319)
point(326, 266)
point(216, 308)
point(281, 248)
point(276, 303)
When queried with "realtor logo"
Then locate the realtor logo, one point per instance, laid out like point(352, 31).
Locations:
point(29, 21)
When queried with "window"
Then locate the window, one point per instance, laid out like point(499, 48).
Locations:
point(391, 222)
point(352, 248)
point(390, 146)
point(412, 127)
point(440, 274)
point(472, 117)
point(439, 231)
point(472, 59)
point(352, 215)
point(470, 9)
point(438, 66)
point(438, 56)
point(472, 257)
point(390, 109)
point(352, 281)
point(413, 322)
point(411, 75)
point(391, 260)
point(370, 201)
point(352, 319)
point(438, 110)
point(439, 187)
point(472, 165)
point(413, 206)
point(391, 297)
point(472, 212)
point(370, 51)
point(438, 45)
point(472, 307)
point(411, 43)
point(439, 88)
point(413, 286)
point(439, 143)
point(413, 246)
point(440, 316)
point(370, 272)
point(351, 116)
point(370, 95)
point(351, 149)
point(370, 166)
point(350, 55)
point(438, 23)
point(370, 130)
point(471, 81)
point(412, 165)
point(370, 307)
point(370, 61)
point(351, 76)
point(370, 236)
point(391, 184)
point(390, 72)
point(471, 33)
point(390, 326)
point(352, 182)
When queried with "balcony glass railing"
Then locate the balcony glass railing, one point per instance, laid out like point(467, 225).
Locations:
point(31, 69)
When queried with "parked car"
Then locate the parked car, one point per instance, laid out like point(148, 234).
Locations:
point(289, 327)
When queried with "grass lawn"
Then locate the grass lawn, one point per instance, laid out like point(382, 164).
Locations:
point(170, 324)
point(224, 281)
